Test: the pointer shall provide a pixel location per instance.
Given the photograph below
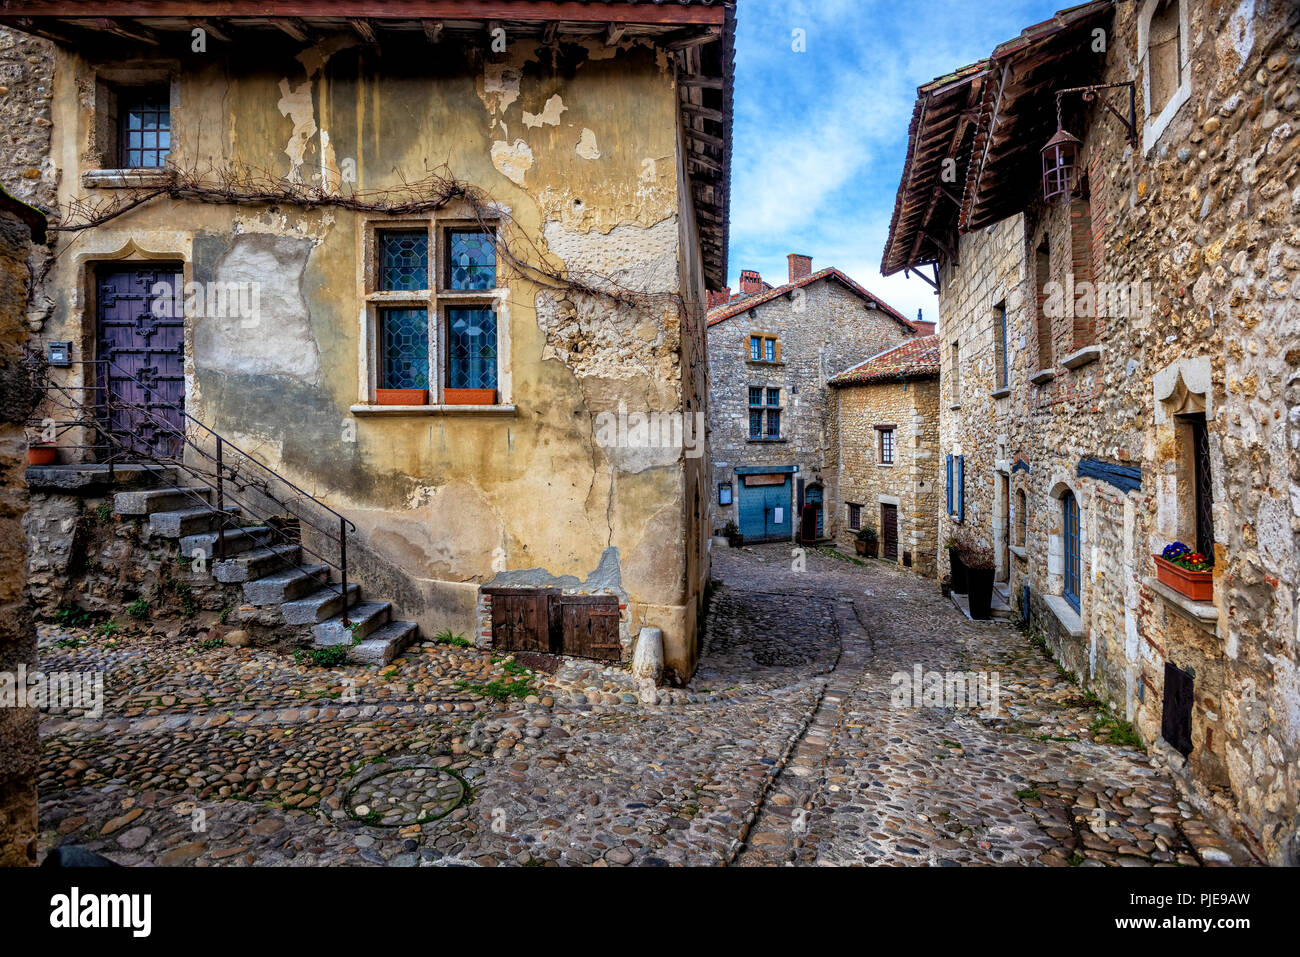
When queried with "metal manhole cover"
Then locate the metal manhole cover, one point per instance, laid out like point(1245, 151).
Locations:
point(406, 796)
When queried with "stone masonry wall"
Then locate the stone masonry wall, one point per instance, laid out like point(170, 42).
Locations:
point(1208, 217)
point(911, 482)
point(823, 330)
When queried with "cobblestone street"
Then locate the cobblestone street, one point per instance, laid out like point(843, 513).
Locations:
point(786, 747)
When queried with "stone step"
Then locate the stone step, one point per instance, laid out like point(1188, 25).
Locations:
point(318, 606)
point(237, 540)
point(363, 620)
point(171, 498)
point(188, 521)
point(384, 645)
point(286, 585)
point(89, 478)
point(256, 563)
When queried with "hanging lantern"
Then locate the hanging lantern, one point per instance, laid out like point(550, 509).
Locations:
point(1060, 158)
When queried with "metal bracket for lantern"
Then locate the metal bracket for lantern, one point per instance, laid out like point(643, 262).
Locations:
point(1061, 154)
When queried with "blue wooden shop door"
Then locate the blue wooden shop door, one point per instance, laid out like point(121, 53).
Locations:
point(765, 511)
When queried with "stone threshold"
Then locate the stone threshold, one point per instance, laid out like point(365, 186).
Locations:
point(999, 610)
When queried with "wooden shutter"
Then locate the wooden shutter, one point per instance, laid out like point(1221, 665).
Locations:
point(949, 484)
point(521, 619)
point(961, 488)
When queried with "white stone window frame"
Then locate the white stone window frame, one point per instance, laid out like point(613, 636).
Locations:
point(1054, 595)
point(436, 300)
point(1155, 126)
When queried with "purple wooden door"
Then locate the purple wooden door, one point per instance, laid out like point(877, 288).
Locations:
point(141, 321)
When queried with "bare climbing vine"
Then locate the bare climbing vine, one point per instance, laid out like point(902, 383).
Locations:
point(246, 186)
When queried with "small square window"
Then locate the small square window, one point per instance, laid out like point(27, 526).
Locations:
point(404, 348)
point(855, 517)
point(471, 260)
point(774, 397)
point(755, 395)
point(144, 127)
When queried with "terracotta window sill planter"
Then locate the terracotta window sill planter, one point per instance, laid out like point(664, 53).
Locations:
point(1198, 586)
point(42, 454)
point(401, 397)
point(469, 396)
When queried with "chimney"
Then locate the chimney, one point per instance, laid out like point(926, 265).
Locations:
point(800, 267)
point(751, 283)
point(719, 298)
point(922, 327)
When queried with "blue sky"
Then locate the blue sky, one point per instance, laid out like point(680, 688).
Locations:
point(820, 136)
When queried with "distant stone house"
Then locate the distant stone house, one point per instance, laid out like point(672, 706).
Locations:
point(885, 433)
point(413, 265)
point(1119, 354)
point(771, 352)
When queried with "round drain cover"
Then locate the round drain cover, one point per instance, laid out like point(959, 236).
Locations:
point(406, 796)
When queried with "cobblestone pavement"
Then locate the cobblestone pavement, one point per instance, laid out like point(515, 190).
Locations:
point(785, 748)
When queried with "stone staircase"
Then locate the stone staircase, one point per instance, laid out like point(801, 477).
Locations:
point(274, 577)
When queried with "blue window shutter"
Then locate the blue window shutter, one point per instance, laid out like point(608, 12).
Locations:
point(961, 488)
point(949, 484)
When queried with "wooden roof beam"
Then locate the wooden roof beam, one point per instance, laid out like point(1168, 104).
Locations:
point(614, 33)
point(365, 30)
point(295, 28)
point(130, 31)
point(432, 30)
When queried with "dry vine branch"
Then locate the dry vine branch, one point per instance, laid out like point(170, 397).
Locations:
point(245, 186)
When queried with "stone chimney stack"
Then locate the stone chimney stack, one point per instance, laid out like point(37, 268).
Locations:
point(751, 283)
point(800, 267)
point(922, 327)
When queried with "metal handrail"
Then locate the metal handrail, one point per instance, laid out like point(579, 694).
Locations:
point(97, 421)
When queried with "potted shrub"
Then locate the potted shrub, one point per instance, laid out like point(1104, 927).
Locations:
point(958, 569)
point(865, 542)
point(1187, 572)
point(977, 560)
point(401, 396)
point(732, 531)
point(945, 585)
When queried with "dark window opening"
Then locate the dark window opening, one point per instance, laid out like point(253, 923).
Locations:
point(144, 127)
point(886, 446)
point(1070, 507)
point(1204, 487)
point(1176, 709)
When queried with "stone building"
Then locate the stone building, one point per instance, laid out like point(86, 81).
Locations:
point(885, 433)
point(19, 751)
point(771, 352)
point(422, 261)
point(1119, 365)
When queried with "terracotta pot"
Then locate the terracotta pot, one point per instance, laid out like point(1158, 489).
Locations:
point(469, 396)
point(401, 396)
point(1198, 586)
point(42, 454)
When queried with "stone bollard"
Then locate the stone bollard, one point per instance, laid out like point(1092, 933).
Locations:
point(648, 663)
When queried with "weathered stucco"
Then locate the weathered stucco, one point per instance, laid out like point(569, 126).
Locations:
point(443, 501)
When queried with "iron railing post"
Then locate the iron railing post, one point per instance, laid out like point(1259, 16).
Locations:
point(221, 507)
point(343, 566)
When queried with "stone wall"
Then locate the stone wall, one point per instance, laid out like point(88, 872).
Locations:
point(26, 86)
point(911, 482)
point(1206, 215)
point(823, 328)
point(19, 749)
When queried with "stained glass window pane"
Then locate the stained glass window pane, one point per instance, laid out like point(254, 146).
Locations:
point(405, 349)
point(472, 349)
point(404, 260)
point(472, 260)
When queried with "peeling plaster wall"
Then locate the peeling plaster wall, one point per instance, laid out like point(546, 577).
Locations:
point(443, 503)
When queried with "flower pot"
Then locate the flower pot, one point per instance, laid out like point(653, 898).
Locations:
point(735, 541)
point(980, 582)
point(860, 546)
point(959, 585)
point(1198, 586)
point(42, 454)
point(469, 396)
point(401, 396)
